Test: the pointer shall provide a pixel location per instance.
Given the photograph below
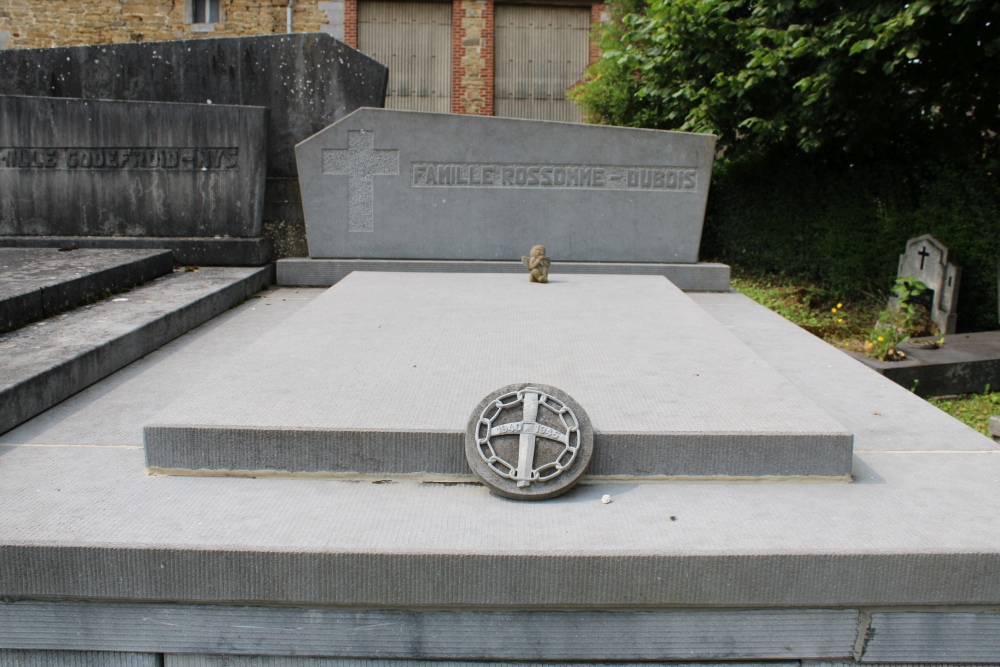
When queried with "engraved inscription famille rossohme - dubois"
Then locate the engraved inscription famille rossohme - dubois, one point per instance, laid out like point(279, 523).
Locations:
point(104, 158)
point(589, 177)
point(361, 162)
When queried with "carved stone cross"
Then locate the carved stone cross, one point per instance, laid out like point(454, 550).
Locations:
point(360, 162)
point(528, 429)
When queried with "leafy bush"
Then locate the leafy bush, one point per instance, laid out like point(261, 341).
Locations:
point(842, 224)
point(864, 77)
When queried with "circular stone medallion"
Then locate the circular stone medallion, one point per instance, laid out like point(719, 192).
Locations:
point(529, 441)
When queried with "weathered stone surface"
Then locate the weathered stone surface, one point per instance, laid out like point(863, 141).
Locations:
point(43, 364)
point(307, 80)
point(405, 185)
point(926, 259)
point(995, 427)
point(929, 637)
point(72, 167)
point(669, 392)
point(434, 635)
point(31, 658)
point(40, 282)
point(205, 251)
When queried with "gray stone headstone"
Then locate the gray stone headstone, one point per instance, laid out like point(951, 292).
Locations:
point(307, 80)
point(926, 259)
point(405, 185)
point(71, 167)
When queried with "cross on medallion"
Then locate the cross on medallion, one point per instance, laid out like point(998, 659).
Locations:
point(360, 162)
point(923, 256)
point(528, 429)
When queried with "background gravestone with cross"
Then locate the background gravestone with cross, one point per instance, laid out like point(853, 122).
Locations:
point(926, 260)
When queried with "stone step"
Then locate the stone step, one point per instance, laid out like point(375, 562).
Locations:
point(45, 363)
point(40, 282)
point(305, 272)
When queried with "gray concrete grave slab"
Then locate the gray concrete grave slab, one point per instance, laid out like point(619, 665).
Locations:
point(74, 167)
point(307, 80)
point(668, 392)
point(916, 527)
point(37, 283)
point(383, 184)
point(300, 271)
point(44, 363)
point(926, 259)
point(995, 427)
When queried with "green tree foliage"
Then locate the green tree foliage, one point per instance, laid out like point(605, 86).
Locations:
point(864, 76)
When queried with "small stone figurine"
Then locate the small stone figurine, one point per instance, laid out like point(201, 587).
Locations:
point(538, 264)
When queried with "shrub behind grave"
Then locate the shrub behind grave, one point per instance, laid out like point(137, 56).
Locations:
point(844, 225)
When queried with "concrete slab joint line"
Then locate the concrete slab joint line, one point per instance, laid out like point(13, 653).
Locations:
point(864, 628)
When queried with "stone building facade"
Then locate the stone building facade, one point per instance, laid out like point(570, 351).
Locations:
point(475, 77)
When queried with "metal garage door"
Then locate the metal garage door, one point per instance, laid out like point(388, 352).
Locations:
point(540, 52)
point(413, 39)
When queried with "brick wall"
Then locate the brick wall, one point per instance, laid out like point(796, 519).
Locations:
point(351, 23)
point(42, 23)
point(598, 14)
point(472, 57)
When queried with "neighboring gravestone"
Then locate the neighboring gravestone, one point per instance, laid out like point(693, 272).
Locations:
point(405, 185)
point(926, 260)
point(72, 167)
point(307, 80)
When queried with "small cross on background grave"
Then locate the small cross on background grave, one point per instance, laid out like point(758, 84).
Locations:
point(923, 256)
point(360, 162)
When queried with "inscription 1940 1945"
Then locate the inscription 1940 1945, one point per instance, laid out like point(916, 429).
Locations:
point(177, 159)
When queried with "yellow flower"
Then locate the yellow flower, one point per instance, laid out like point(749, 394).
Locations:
point(840, 305)
point(833, 310)
point(880, 339)
point(840, 319)
point(846, 344)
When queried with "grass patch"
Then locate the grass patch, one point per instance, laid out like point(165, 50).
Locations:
point(973, 410)
point(819, 311)
point(825, 314)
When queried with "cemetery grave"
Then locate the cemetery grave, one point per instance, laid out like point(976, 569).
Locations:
point(949, 363)
point(306, 81)
point(288, 484)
